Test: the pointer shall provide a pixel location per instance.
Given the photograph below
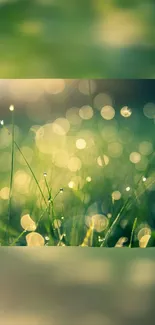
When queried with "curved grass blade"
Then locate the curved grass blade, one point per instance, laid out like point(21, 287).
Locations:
point(11, 178)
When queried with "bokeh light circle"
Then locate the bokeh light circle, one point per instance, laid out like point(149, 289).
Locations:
point(54, 86)
point(74, 164)
point(103, 160)
point(98, 222)
point(108, 112)
point(145, 148)
point(135, 157)
point(61, 126)
point(81, 144)
point(116, 195)
point(149, 110)
point(86, 112)
point(34, 239)
point(102, 100)
point(4, 193)
point(83, 86)
point(73, 117)
point(27, 223)
point(125, 111)
point(115, 149)
point(61, 158)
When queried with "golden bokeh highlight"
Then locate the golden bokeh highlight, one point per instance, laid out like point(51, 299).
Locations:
point(98, 222)
point(11, 108)
point(47, 141)
point(103, 160)
point(73, 116)
point(81, 144)
point(107, 112)
point(34, 239)
point(61, 158)
point(88, 137)
point(111, 33)
point(4, 193)
point(135, 157)
point(125, 111)
point(57, 223)
point(27, 223)
point(121, 242)
point(22, 181)
point(74, 164)
point(61, 126)
point(88, 179)
point(71, 184)
point(102, 100)
point(76, 183)
point(143, 242)
point(145, 148)
point(54, 147)
point(54, 86)
point(86, 112)
point(116, 195)
point(143, 232)
point(29, 90)
point(83, 86)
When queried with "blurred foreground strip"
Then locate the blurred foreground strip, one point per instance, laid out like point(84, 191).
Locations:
point(76, 286)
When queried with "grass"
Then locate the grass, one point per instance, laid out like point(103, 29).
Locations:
point(52, 221)
point(11, 178)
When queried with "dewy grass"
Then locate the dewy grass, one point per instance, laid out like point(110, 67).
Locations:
point(132, 232)
point(48, 189)
point(28, 165)
point(17, 239)
point(49, 209)
point(13, 144)
point(31, 172)
point(104, 243)
point(11, 175)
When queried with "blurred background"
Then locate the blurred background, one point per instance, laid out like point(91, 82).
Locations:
point(67, 286)
point(92, 143)
point(77, 39)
